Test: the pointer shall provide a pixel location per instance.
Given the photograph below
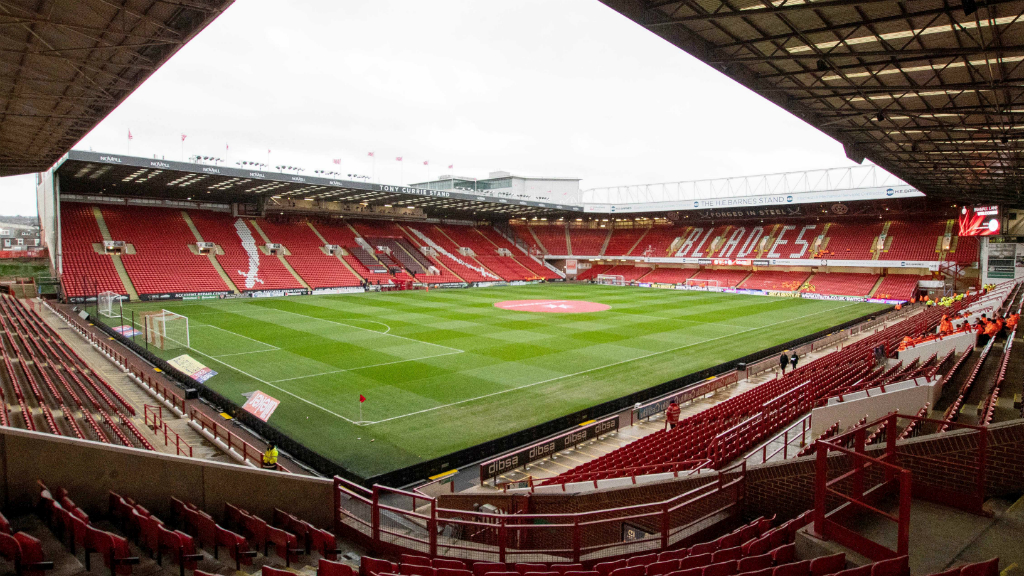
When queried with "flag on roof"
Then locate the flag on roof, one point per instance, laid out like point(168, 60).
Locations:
point(450, 166)
point(337, 160)
point(129, 133)
point(399, 158)
point(182, 137)
point(369, 154)
point(425, 162)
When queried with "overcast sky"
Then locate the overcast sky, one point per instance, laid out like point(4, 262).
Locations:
point(534, 87)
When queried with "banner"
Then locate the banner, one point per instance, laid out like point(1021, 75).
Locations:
point(126, 331)
point(192, 367)
point(261, 405)
point(571, 267)
point(524, 456)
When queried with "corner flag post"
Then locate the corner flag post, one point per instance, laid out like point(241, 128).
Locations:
point(361, 400)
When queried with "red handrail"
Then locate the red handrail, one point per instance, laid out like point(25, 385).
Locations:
point(628, 472)
point(154, 418)
point(234, 442)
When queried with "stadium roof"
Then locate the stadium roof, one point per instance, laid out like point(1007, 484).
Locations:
point(66, 64)
point(930, 90)
point(130, 176)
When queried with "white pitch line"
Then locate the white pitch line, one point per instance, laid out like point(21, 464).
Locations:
point(241, 353)
point(315, 405)
point(368, 330)
point(198, 325)
point(370, 366)
point(606, 366)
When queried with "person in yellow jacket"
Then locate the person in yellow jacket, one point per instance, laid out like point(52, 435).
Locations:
point(270, 457)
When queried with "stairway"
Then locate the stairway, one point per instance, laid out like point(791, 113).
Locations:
point(280, 257)
point(635, 244)
point(874, 288)
point(537, 240)
point(213, 257)
point(122, 273)
point(568, 241)
point(604, 246)
point(876, 254)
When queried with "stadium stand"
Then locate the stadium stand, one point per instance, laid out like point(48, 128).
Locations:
point(49, 383)
point(850, 241)
point(842, 284)
point(243, 260)
point(553, 238)
point(899, 286)
point(781, 281)
point(536, 269)
point(307, 257)
point(622, 240)
point(724, 278)
point(162, 263)
point(594, 271)
point(363, 263)
point(485, 252)
point(466, 267)
point(587, 242)
point(670, 275)
point(86, 272)
point(657, 242)
point(914, 240)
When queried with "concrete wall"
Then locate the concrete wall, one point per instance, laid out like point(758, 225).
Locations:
point(904, 397)
point(940, 348)
point(88, 470)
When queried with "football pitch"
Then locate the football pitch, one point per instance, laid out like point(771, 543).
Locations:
point(446, 369)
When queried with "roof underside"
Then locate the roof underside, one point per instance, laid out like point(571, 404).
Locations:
point(66, 64)
point(931, 94)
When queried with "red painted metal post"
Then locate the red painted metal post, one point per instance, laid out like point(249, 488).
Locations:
point(576, 539)
point(903, 539)
point(665, 526)
point(785, 445)
point(858, 476)
point(432, 526)
point(820, 479)
point(337, 505)
point(890, 447)
point(502, 539)
point(375, 514)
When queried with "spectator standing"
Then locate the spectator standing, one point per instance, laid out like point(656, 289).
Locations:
point(784, 361)
point(793, 360)
point(672, 415)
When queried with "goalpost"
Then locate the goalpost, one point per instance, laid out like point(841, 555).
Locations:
point(611, 279)
point(105, 304)
point(701, 283)
point(166, 330)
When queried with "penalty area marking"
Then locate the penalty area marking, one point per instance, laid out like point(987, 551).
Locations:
point(607, 365)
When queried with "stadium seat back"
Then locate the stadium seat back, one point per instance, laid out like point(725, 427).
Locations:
point(416, 570)
point(695, 561)
point(629, 571)
point(643, 560)
point(751, 563)
point(828, 564)
point(726, 554)
point(662, 567)
point(413, 560)
point(481, 568)
point(721, 568)
point(802, 568)
point(988, 568)
point(268, 571)
point(448, 563)
point(892, 567)
point(756, 547)
point(563, 568)
point(372, 566)
point(674, 554)
point(761, 572)
point(858, 571)
point(703, 548)
point(688, 572)
point(452, 572)
point(327, 567)
point(784, 554)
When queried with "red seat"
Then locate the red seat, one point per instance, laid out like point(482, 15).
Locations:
point(524, 567)
point(662, 567)
point(751, 563)
point(416, 570)
point(674, 554)
point(413, 560)
point(761, 572)
point(563, 568)
point(858, 571)
point(784, 554)
point(756, 547)
point(452, 572)
point(448, 563)
point(113, 549)
point(629, 571)
point(828, 564)
point(372, 566)
point(237, 546)
point(892, 567)
point(268, 571)
point(481, 568)
point(703, 548)
point(327, 567)
point(988, 568)
point(643, 560)
point(286, 545)
point(695, 561)
point(688, 572)
point(721, 569)
point(24, 552)
point(802, 568)
point(179, 545)
point(727, 554)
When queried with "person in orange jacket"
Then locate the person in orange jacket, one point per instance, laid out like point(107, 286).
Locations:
point(945, 326)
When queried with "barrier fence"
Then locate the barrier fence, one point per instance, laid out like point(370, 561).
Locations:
point(844, 488)
point(247, 451)
point(154, 418)
point(391, 521)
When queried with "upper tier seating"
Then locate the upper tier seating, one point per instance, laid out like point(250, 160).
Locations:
point(781, 281)
point(587, 242)
point(537, 269)
point(162, 262)
point(307, 258)
point(552, 237)
point(914, 240)
point(339, 233)
point(85, 272)
point(966, 250)
point(243, 261)
point(658, 241)
point(851, 241)
point(623, 239)
point(842, 284)
point(53, 389)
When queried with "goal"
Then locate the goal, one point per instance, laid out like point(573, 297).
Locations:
point(109, 304)
point(611, 279)
point(166, 330)
point(701, 283)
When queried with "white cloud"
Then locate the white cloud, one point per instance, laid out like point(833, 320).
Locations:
point(536, 87)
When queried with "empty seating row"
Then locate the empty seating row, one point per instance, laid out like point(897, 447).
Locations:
point(85, 272)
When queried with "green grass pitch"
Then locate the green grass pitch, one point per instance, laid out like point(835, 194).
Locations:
point(446, 370)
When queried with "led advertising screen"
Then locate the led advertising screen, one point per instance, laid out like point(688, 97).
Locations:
point(979, 221)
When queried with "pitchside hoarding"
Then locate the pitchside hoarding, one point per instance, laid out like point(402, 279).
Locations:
point(545, 449)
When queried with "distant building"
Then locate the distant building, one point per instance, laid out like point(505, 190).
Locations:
point(14, 236)
point(505, 185)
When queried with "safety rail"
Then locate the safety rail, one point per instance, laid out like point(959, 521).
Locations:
point(422, 526)
point(805, 428)
point(675, 468)
point(162, 390)
point(836, 500)
point(153, 416)
point(235, 443)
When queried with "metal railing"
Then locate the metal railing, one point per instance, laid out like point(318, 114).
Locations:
point(387, 520)
point(153, 416)
point(839, 499)
point(247, 451)
point(686, 468)
point(787, 437)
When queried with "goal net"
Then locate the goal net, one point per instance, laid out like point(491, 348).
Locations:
point(611, 279)
point(109, 304)
point(166, 330)
point(701, 283)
